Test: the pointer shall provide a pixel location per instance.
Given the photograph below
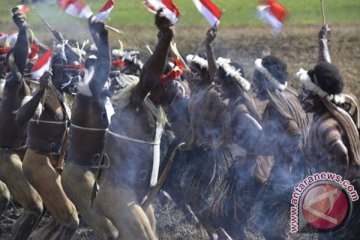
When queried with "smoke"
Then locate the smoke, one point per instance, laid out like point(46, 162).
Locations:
point(130, 162)
point(71, 27)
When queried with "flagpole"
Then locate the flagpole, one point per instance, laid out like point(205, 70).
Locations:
point(323, 11)
point(52, 29)
point(43, 19)
point(203, 43)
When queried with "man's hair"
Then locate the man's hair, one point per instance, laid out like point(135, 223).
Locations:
point(276, 67)
point(224, 75)
point(197, 66)
point(327, 77)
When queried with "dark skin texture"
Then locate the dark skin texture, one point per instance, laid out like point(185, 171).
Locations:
point(102, 67)
point(88, 111)
point(21, 55)
point(132, 120)
point(206, 76)
point(314, 104)
point(210, 37)
point(154, 67)
point(53, 109)
point(29, 109)
point(129, 161)
point(15, 88)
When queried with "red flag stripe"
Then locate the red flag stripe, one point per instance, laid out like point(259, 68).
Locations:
point(278, 11)
point(264, 13)
point(171, 6)
point(170, 11)
point(34, 51)
point(104, 13)
point(42, 60)
point(107, 6)
point(64, 3)
point(23, 8)
point(212, 8)
point(77, 8)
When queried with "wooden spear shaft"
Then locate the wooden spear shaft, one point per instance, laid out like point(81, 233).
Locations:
point(323, 11)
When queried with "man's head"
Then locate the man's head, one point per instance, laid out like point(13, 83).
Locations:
point(67, 71)
point(199, 67)
point(270, 74)
point(230, 78)
point(320, 82)
point(326, 76)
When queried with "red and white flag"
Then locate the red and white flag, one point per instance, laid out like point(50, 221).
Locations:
point(170, 11)
point(104, 12)
point(33, 52)
point(77, 8)
point(210, 11)
point(23, 8)
point(273, 14)
point(42, 65)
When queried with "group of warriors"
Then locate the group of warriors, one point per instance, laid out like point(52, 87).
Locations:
point(101, 133)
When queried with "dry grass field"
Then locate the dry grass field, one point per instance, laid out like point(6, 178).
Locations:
point(297, 45)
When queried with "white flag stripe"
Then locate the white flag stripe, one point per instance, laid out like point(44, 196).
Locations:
point(166, 12)
point(72, 10)
point(85, 12)
point(265, 14)
point(103, 16)
point(169, 14)
point(156, 4)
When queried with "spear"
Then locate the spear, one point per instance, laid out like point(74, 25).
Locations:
point(154, 191)
point(44, 20)
point(323, 11)
point(203, 42)
point(53, 30)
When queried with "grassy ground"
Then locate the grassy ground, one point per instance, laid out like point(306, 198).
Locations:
point(235, 12)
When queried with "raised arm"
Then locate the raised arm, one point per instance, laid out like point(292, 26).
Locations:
point(21, 48)
point(154, 67)
point(210, 36)
point(103, 64)
point(28, 110)
point(324, 39)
